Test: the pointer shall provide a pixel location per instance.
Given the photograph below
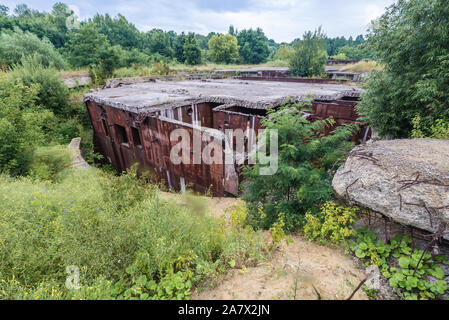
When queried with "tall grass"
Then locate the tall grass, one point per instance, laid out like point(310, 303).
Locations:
point(126, 241)
point(361, 67)
point(177, 68)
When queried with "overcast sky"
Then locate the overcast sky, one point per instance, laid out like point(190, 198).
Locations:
point(281, 20)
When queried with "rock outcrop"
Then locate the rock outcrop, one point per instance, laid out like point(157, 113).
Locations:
point(406, 180)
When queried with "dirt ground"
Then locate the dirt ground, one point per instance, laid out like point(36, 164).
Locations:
point(293, 271)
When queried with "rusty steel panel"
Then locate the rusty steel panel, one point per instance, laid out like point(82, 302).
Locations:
point(115, 132)
point(298, 80)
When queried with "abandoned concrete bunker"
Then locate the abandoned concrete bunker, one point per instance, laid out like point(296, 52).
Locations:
point(132, 122)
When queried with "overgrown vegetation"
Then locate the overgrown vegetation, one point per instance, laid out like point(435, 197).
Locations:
point(307, 160)
point(102, 39)
point(410, 41)
point(332, 225)
point(126, 242)
point(36, 109)
point(17, 44)
point(413, 274)
point(362, 66)
point(438, 129)
point(309, 58)
point(406, 268)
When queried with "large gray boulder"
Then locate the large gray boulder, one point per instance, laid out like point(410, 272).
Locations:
point(406, 180)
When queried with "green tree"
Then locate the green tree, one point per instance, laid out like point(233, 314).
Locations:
point(42, 24)
point(85, 46)
point(5, 21)
point(15, 45)
point(410, 40)
point(52, 94)
point(284, 53)
point(88, 47)
point(355, 51)
point(158, 42)
point(223, 49)
point(59, 14)
point(310, 55)
point(118, 31)
point(4, 10)
point(179, 48)
point(306, 160)
point(253, 46)
point(192, 51)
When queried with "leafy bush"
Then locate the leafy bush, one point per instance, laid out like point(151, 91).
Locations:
point(340, 56)
point(284, 53)
point(333, 225)
point(133, 71)
point(52, 93)
point(306, 162)
point(125, 240)
point(407, 269)
point(22, 124)
point(129, 58)
point(161, 68)
point(360, 51)
point(410, 41)
point(48, 162)
point(15, 45)
point(437, 130)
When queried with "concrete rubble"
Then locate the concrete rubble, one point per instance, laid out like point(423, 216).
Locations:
point(405, 180)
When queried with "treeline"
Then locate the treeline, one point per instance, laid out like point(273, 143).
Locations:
point(117, 42)
point(113, 42)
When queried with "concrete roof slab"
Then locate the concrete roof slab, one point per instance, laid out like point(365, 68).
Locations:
point(159, 95)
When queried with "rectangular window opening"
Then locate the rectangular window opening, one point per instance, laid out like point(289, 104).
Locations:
point(136, 137)
point(122, 137)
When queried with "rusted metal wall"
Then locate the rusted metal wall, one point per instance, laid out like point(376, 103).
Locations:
point(124, 138)
point(343, 112)
point(332, 61)
point(297, 80)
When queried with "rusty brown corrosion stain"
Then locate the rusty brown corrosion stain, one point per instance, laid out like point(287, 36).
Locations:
point(132, 124)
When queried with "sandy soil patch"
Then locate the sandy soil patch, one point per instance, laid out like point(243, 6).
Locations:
point(292, 272)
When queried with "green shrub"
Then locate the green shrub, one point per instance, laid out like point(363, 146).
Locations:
point(407, 269)
point(52, 92)
point(409, 41)
point(22, 125)
point(129, 58)
point(438, 129)
point(15, 45)
point(125, 240)
point(48, 162)
point(333, 225)
point(161, 68)
point(284, 53)
point(307, 158)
